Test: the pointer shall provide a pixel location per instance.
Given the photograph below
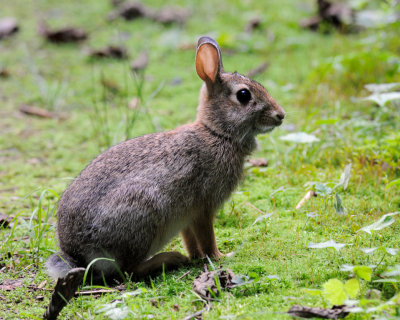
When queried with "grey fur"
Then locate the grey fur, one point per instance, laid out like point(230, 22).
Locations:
point(134, 197)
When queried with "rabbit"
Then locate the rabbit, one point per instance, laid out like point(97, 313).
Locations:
point(132, 199)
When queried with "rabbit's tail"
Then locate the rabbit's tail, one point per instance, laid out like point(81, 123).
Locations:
point(59, 264)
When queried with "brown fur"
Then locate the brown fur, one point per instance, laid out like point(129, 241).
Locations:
point(134, 197)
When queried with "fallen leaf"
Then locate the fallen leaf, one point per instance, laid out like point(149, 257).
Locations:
point(62, 35)
point(337, 14)
point(336, 312)
point(385, 221)
point(129, 11)
point(258, 70)
point(5, 220)
point(169, 15)
point(328, 244)
point(141, 62)
point(4, 73)
point(114, 52)
point(176, 307)
point(299, 137)
point(205, 284)
point(258, 162)
point(35, 111)
point(252, 24)
point(381, 87)
point(10, 284)
point(8, 27)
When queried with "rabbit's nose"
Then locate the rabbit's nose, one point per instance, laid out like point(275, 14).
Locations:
point(279, 115)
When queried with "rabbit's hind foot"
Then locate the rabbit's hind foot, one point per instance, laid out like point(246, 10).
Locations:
point(159, 262)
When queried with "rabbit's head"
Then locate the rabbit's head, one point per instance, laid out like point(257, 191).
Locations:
point(230, 104)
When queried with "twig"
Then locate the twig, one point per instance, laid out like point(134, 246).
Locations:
point(255, 208)
point(308, 196)
point(198, 313)
point(184, 275)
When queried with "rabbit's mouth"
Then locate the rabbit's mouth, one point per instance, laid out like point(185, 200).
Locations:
point(268, 124)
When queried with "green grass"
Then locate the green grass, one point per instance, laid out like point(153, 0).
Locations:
point(315, 77)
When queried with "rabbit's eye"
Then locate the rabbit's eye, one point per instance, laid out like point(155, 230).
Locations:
point(243, 96)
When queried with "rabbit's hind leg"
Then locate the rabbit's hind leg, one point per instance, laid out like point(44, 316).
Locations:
point(170, 260)
point(191, 244)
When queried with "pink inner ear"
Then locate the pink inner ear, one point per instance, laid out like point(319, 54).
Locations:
point(207, 62)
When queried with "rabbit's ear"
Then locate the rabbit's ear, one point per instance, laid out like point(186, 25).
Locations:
point(208, 60)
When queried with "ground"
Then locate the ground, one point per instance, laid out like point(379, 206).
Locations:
point(318, 77)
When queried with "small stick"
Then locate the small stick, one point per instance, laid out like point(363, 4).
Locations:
point(255, 208)
point(184, 275)
point(308, 196)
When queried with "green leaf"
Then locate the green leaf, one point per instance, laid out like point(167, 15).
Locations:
point(385, 221)
point(323, 190)
point(334, 291)
point(352, 287)
point(328, 244)
point(338, 205)
point(392, 271)
point(363, 272)
point(393, 183)
point(345, 177)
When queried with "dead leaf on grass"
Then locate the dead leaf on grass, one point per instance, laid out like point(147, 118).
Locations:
point(5, 220)
point(141, 62)
point(4, 73)
point(8, 27)
point(35, 111)
point(252, 24)
point(336, 312)
point(205, 284)
point(11, 284)
point(169, 15)
point(62, 35)
point(129, 11)
point(258, 162)
point(337, 14)
point(113, 52)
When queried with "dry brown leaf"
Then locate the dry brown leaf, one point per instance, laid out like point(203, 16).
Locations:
point(336, 312)
point(253, 24)
point(205, 283)
point(5, 220)
point(258, 162)
point(141, 62)
point(129, 11)
point(8, 27)
point(62, 35)
point(169, 15)
point(35, 111)
point(11, 284)
point(338, 14)
point(4, 73)
point(113, 52)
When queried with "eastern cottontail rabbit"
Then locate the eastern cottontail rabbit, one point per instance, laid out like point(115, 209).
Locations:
point(134, 197)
